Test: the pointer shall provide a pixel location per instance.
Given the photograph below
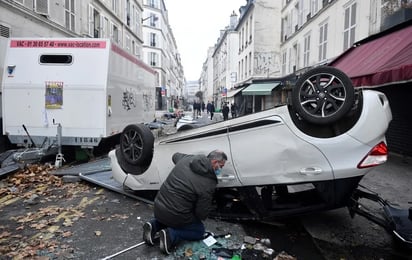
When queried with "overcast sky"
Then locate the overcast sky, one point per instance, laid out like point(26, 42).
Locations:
point(196, 26)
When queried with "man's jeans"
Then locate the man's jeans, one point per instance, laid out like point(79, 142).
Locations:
point(194, 231)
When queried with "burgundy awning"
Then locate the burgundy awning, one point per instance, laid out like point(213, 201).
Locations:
point(381, 61)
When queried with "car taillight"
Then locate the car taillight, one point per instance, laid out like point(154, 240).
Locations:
point(376, 156)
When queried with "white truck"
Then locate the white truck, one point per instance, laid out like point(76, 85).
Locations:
point(73, 91)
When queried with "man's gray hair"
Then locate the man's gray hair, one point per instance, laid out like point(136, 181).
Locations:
point(217, 155)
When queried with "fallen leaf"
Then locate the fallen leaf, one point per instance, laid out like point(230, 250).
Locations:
point(4, 234)
point(67, 234)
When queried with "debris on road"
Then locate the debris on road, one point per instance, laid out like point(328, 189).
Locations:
point(40, 213)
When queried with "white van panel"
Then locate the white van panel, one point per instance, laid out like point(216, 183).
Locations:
point(93, 94)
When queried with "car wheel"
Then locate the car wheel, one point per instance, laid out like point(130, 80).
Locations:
point(136, 145)
point(323, 95)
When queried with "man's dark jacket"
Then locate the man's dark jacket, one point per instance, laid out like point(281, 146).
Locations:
point(186, 195)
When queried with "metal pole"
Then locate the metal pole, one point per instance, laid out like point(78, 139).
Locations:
point(123, 251)
point(59, 157)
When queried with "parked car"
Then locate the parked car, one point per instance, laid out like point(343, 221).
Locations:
point(306, 156)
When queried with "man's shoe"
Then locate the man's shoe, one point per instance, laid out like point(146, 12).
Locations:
point(148, 234)
point(165, 242)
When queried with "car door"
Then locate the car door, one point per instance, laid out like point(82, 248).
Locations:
point(201, 140)
point(265, 151)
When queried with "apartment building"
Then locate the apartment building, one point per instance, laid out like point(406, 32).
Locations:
point(259, 55)
point(118, 20)
point(160, 52)
point(206, 77)
point(309, 33)
point(136, 25)
point(247, 49)
point(277, 39)
point(224, 58)
point(314, 32)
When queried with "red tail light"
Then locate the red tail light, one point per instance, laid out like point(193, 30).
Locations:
point(376, 156)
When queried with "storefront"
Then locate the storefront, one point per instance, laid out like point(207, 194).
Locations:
point(384, 62)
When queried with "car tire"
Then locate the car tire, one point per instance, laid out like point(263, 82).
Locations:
point(136, 145)
point(323, 95)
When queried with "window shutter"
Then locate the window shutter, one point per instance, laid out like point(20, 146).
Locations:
point(42, 7)
point(102, 27)
point(91, 21)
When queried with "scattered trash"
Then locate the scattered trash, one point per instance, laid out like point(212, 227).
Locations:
point(70, 179)
point(225, 247)
point(33, 200)
point(188, 252)
point(284, 256)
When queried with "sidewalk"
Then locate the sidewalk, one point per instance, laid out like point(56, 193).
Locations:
point(336, 229)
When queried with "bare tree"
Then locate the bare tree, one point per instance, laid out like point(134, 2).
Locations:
point(199, 95)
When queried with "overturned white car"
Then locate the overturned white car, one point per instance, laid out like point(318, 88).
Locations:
point(305, 156)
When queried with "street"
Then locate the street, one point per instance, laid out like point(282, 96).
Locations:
point(44, 216)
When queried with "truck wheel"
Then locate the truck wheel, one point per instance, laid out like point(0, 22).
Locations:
point(136, 145)
point(323, 95)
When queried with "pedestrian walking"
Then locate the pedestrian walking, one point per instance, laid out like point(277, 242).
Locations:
point(225, 112)
point(212, 110)
point(233, 109)
point(208, 107)
point(184, 200)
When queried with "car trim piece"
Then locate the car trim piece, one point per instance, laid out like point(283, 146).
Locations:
point(225, 130)
point(251, 125)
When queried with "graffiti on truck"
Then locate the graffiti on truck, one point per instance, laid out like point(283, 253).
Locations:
point(128, 101)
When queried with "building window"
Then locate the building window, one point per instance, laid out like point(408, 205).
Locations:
point(153, 59)
point(295, 57)
point(306, 51)
point(242, 42)
point(349, 26)
point(115, 34)
point(250, 63)
point(128, 42)
point(323, 41)
point(128, 13)
point(153, 3)
point(133, 47)
point(69, 15)
point(153, 20)
point(284, 55)
point(246, 34)
point(136, 22)
point(152, 39)
point(105, 28)
point(115, 6)
point(251, 29)
point(242, 69)
point(246, 70)
point(299, 12)
point(314, 6)
point(94, 23)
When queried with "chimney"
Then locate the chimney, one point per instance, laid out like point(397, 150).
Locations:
point(233, 20)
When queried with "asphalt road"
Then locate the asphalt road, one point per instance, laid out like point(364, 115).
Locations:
point(80, 220)
point(338, 236)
